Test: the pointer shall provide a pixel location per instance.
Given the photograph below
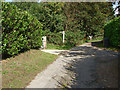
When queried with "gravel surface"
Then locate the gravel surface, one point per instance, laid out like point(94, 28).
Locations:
point(80, 67)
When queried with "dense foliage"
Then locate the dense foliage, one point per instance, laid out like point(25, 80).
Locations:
point(22, 27)
point(50, 14)
point(55, 38)
point(73, 18)
point(74, 38)
point(112, 31)
point(85, 19)
point(87, 16)
point(0, 30)
point(20, 30)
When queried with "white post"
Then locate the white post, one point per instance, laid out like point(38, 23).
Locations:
point(63, 36)
point(44, 42)
point(90, 37)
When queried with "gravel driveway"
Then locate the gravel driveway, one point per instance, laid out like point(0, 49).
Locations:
point(81, 67)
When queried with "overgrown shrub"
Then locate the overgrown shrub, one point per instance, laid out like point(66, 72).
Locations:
point(112, 31)
point(71, 38)
point(20, 30)
point(74, 38)
point(55, 38)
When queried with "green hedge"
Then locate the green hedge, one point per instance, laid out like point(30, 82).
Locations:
point(71, 38)
point(112, 32)
point(74, 38)
point(20, 30)
point(55, 38)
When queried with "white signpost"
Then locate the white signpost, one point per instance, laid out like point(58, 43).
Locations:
point(90, 37)
point(63, 32)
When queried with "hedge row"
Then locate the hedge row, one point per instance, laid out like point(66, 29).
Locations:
point(112, 31)
point(55, 38)
point(71, 38)
point(74, 38)
point(20, 30)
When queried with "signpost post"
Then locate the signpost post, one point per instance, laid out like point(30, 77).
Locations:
point(63, 32)
point(63, 36)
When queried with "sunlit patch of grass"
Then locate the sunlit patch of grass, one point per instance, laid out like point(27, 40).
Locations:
point(18, 71)
point(66, 47)
point(53, 46)
point(98, 39)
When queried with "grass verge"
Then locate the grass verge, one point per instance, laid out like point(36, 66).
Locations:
point(112, 48)
point(67, 47)
point(98, 39)
point(53, 46)
point(18, 71)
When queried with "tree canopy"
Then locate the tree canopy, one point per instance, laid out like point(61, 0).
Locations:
point(87, 18)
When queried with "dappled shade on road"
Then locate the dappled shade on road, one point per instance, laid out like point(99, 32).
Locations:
point(93, 67)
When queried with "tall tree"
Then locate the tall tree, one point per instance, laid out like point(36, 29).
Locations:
point(87, 16)
point(49, 14)
point(76, 17)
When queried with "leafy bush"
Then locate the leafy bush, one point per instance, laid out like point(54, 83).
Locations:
point(55, 38)
point(20, 30)
point(112, 31)
point(71, 38)
point(74, 38)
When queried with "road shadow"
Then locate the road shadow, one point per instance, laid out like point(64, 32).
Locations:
point(96, 43)
point(93, 68)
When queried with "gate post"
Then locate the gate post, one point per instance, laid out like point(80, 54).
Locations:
point(44, 42)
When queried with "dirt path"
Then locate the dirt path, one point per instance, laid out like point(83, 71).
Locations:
point(81, 67)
